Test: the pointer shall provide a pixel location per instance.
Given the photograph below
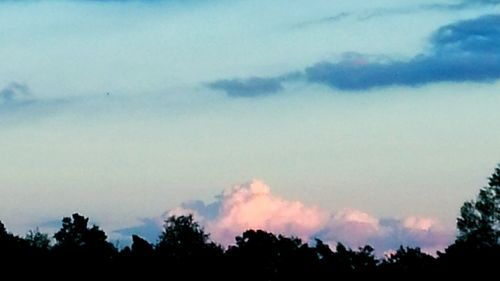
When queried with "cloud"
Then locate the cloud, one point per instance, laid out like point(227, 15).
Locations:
point(416, 231)
point(476, 36)
point(401, 10)
point(451, 7)
point(251, 87)
point(464, 51)
point(18, 105)
point(356, 228)
point(460, 5)
point(350, 226)
point(253, 206)
point(14, 92)
point(326, 20)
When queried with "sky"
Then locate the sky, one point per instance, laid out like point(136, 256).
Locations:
point(351, 121)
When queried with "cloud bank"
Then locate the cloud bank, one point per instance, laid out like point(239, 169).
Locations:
point(460, 52)
point(464, 51)
point(253, 206)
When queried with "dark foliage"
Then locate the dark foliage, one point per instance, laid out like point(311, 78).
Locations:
point(479, 221)
point(408, 262)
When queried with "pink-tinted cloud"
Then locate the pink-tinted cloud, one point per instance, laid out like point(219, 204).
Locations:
point(427, 232)
point(253, 206)
point(419, 223)
point(352, 227)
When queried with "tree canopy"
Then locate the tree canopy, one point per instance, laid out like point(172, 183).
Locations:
point(479, 220)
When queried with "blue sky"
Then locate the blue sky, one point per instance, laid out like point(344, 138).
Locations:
point(389, 107)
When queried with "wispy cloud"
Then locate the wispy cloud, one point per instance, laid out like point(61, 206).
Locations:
point(396, 11)
point(326, 20)
point(14, 92)
point(254, 86)
point(251, 87)
point(451, 7)
point(464, 51)
point(384, 12)
point(19, 105)
point(253, 206)
point(460, 5)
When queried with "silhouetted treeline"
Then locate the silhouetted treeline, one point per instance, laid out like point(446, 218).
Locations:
point(184, 251)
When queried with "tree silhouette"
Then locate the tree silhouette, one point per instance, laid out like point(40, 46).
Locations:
point(141, 248)
point(347, 261)
point(261, 255)
point(477, 248)
point(185, 246)
point(77, 242)
point(7, 242)
point(3, 231)
point(479, 220)
point(38, 240)
point(182, 235)
point(13, 250)
point(255, 256)
point(138, 260)
point(407, 261)
point(37, 246)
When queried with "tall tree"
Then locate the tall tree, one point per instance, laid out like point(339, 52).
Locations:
point(186, 247)
point(77, 240)
point(479, 221)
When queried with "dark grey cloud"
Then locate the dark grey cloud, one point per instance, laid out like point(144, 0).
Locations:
point(476, 36)
point(255, 86)
point(464, 51)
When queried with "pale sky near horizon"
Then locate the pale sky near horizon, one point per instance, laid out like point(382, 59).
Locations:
point(124, 110)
